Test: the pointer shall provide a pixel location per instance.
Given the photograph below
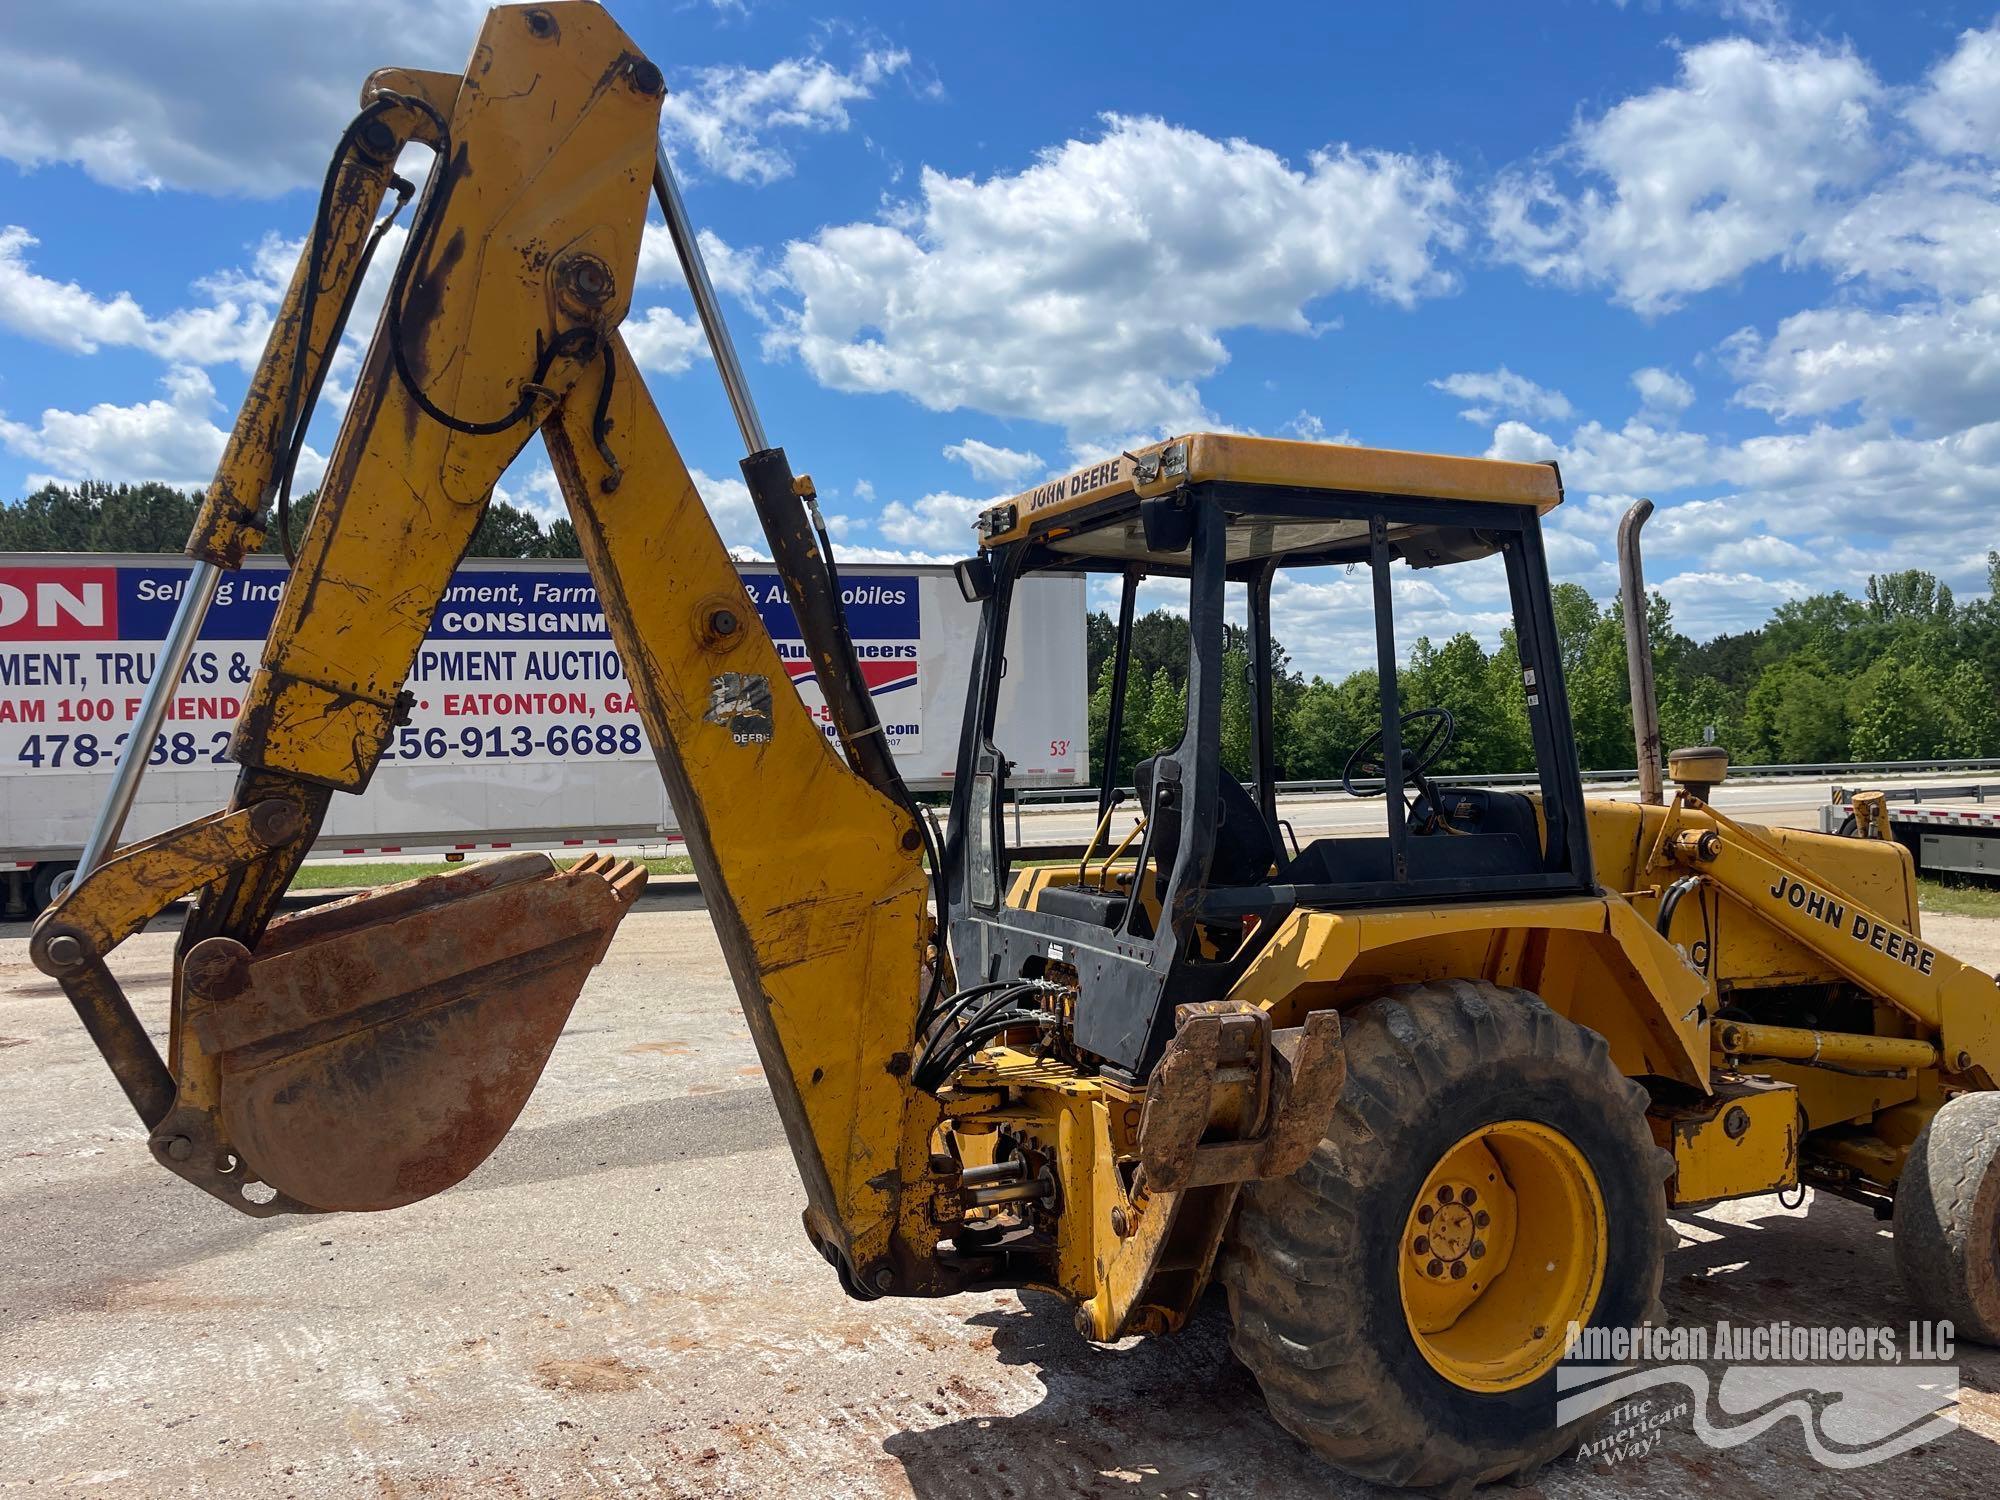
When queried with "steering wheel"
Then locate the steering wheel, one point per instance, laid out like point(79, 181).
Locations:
point(1366, 763)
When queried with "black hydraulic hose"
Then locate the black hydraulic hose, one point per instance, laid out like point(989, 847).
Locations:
point(951, 1023)
point(573, 343)
point(304, 418)
point(1671, 901)
point(299, 401)
point(940, 894)
point(950, 1053)
point(969, 1041)
point(930, 1011)
point(827, 557)
point(935, 1041)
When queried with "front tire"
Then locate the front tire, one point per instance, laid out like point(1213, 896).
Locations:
point(1948, 1217)
point(1489, 1177)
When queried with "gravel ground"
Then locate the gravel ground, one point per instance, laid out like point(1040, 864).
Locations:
point(621, 1300)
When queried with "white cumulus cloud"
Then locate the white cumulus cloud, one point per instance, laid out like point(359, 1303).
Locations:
point(1935, 364)
point(1092, 290)
point(995, 464)
point(230, 329)
point(940, 522)
point(726, 116)
point(174, 439)
point(1687, 186)
point(664, 342)
point(231, 99)
point(1502, 390)
point(1959, 108)
point(1662, 391)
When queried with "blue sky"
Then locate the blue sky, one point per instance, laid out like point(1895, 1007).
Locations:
point(1727, 255)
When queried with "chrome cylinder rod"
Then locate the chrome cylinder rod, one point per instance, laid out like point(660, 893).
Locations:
point(688, 248)
point(1639, 652)
point(196, 596)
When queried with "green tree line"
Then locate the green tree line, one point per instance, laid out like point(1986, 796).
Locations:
point(98, 517)
point(1904, 672)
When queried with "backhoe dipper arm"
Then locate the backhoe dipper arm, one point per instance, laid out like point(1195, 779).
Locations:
point(813, 877)
point(367, 1054)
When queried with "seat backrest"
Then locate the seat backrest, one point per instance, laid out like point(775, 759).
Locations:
point(1245, 848)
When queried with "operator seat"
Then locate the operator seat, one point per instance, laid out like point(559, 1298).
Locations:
point(1245, 847)
point(1245, 852)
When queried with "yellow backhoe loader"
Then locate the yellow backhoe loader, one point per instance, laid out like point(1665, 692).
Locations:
point(1419, 1099)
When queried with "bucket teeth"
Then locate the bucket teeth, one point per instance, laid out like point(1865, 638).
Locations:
point(373, 1051)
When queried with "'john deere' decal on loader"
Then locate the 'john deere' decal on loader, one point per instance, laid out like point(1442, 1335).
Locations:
point(1863, 927)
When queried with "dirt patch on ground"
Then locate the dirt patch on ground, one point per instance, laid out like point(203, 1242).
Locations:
point(594, 1375)
point(1973, 940)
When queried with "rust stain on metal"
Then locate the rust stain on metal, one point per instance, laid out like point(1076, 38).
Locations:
point(375, 1050)
point(1268, 1094)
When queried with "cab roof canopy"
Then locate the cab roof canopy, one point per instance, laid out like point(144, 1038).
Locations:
point(1300, 503)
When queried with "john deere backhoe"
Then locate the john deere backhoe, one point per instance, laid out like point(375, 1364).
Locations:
point(1425, 1096)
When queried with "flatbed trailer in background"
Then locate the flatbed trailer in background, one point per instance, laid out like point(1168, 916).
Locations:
point(522, 732)
point(1944, 835)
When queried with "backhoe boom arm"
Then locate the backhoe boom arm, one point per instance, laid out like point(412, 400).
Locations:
point(364, 1055)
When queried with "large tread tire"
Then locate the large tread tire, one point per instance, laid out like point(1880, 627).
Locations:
point(1311, 1263)
point(1948, 1217)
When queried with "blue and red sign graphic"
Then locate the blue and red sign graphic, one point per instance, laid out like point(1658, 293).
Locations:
point(518, 659)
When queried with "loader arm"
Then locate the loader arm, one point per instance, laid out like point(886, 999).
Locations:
point(370, 1053)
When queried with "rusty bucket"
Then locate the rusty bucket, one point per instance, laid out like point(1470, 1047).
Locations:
point(373, 1051)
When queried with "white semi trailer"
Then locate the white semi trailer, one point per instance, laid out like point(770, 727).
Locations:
point(522, 733)
point(1951, 839)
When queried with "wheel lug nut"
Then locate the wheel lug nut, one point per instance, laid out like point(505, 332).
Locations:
point(1425, 1214)
point(1471, 1197)
point(1422, 1245)
point(1436, 1268)
point(1478, 1249)
point(1457, 1269)
point(1482, 1218)
point(1444, 1194)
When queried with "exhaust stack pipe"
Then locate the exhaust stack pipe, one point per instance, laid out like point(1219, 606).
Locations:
point(1639, 651)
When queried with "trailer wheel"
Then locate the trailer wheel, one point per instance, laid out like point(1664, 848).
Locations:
point(1489, 1178)
point(1948, 1217)
point(44, 888)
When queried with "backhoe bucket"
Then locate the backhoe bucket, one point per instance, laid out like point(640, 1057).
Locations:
point(373, 1051)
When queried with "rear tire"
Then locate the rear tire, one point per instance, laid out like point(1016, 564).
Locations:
point(1948, 1217)
point(1328, 1296)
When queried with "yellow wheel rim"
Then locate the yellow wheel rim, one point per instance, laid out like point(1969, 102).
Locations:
point(1502, 1249)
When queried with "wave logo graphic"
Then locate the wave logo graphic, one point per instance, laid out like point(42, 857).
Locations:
point(1851, 1415)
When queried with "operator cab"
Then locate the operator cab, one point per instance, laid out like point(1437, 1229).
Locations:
point(1207, 870)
